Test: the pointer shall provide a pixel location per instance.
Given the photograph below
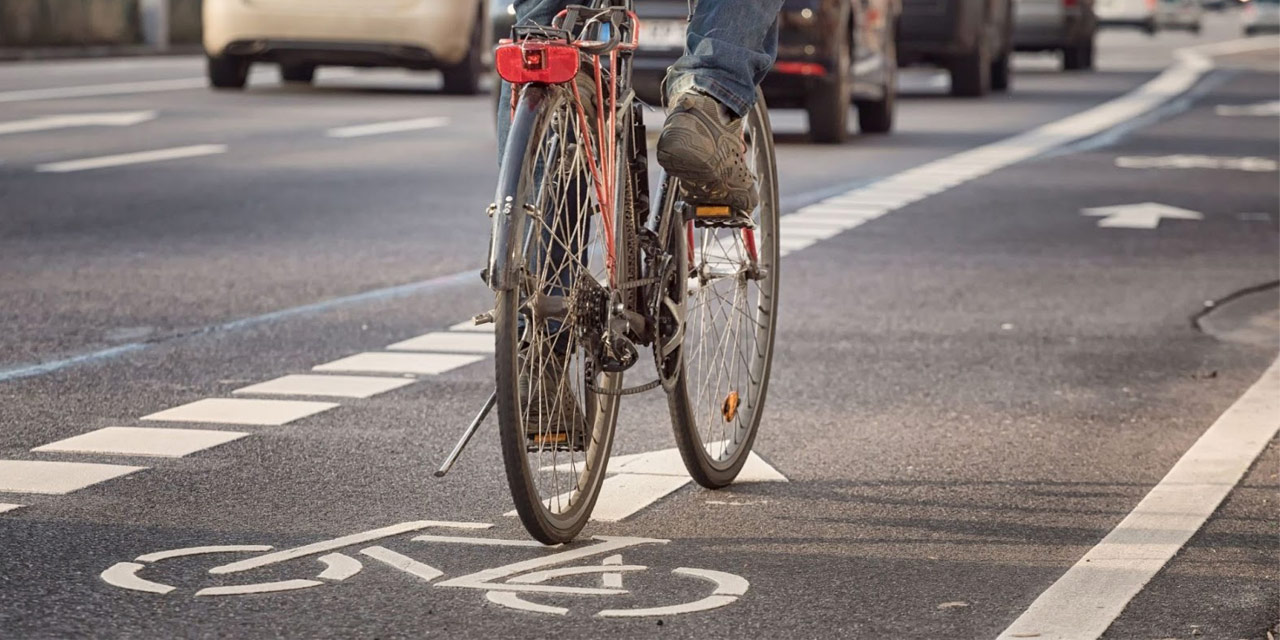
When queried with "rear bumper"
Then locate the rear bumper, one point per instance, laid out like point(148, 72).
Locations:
point(931, 30)
point(420, 34)
point(1057, 33)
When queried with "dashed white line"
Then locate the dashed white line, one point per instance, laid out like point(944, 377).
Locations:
point(140, 157)
point(1084, 602)
point(8, 506)
point(419, 363)
point(264, 413)
point(135, 441)
point(326, 386)
point(379, 128)
point(448, 342)
point(56, 478)
point(115, 88)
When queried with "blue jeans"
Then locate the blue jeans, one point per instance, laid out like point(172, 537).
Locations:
point(731, 45)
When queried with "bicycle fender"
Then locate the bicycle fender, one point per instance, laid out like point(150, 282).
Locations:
point(509, 216)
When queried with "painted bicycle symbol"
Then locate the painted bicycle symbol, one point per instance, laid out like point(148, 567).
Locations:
point(506, 585)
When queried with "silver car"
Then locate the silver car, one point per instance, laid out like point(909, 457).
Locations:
point(1068, 26)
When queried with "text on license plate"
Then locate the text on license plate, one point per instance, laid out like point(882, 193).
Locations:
point(662, 34)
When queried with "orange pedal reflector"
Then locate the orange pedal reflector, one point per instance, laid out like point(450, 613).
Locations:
point(712, 212)
point(730, 407)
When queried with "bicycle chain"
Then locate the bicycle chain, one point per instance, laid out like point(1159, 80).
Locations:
point(648, 386)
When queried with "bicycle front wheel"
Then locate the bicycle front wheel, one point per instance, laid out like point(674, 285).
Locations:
point(556, 408)
point(730, 308)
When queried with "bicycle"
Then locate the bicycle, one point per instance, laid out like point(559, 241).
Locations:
point(585, 272)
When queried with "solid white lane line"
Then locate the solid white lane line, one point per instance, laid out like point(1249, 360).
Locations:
point(263, 413)
point(326, 386)
point(56, 478)
point(418, 363)
point(135, 441)
point(402, 562)
point(115, 88)
point(448, 342)
point(1084, 602)
point(379, 128)
point(140, 157)
point(6, 506)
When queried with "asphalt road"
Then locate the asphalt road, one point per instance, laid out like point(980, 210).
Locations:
point(970, 393)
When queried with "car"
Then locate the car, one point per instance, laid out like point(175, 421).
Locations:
point(451, 36)
point(971, 39)
point(1261, 16)
point(1179, 14)
point(834, 56)
point(1128, 13)
point(1069, 26)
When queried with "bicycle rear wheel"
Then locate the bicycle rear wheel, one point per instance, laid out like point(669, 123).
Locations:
point(730, 307)
point(556, 412)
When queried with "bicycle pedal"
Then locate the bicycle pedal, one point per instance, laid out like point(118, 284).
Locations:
point(712, 215)
point(552, 441)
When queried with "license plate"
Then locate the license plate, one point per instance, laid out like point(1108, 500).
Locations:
point(662, 34)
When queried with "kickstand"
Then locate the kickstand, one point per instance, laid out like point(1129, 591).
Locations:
point(466, 436)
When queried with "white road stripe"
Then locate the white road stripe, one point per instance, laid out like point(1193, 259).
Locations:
point(199, 551)
point(56, 478)
point(418, 363)
point(448, 342)
point(1084, 602)
point(402, 562)
point(140, 157)
point(326, 386)
point(68, 121)
point(471, 326)
point(261, 587)
point(379, 128)
point(135, 441)
point(625, 494)
point(285, 555)
point(115, 88)
point(6, 506)
point(263, 413)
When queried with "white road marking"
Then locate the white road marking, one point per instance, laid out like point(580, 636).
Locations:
point(379, 128)
point(7, 506)
point(800, 232)
point(796, 244)
point(263, 413)
point(140, 157)
point(338, 543)
point(199, 551)
point(339, 566)
point(1084, 602)
point(1255, 164)
point(419, 363)
point(115, 88)
point(136, 441)
point(326, 386)
point(125, 576)
point(625, 494)
point(513, 600)
point(402, 562)
point(484, 542)
point(448, 342)
point(1261, 109)
point(56, 478)
point(728, 589)
point(46, 123)
point(470, 325)
point(1146, 215)
point(488, 578)
point(668, 462)
point(260, 587)
point(612, 580)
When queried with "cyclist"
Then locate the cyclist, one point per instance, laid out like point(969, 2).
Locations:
point(731, 45)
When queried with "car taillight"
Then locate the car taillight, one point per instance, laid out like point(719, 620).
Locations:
point(544, 62)
point(1070, 3)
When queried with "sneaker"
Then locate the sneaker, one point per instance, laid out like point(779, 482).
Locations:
point(702, 144)
point(552, 416)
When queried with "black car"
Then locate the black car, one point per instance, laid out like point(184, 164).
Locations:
point(972, 39)
point(833, 55)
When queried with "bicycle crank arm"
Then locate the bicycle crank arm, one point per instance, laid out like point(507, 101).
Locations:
point(467, 435)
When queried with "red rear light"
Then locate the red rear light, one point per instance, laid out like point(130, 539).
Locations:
point(800, 68)
point(544, 62)
point(1070, 3)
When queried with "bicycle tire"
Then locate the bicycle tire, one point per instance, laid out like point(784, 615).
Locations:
point(554, 490)
point(714, 457)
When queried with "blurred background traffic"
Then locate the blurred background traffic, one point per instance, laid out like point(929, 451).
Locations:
point(839, 59)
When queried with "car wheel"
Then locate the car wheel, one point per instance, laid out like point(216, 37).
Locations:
point(830, 102)
point(299, 73)
point(464, 78)
point(227, 72)
point(971, 74)
point(1001, 74)
point(1150, 27)
point(876, 116)
point(1079, 57)
point(1195, 29)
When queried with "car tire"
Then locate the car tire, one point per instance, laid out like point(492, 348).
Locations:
point(1079, 57)
point(1001, 73)
point(464, 77)
point(971, 74)
point(298, 73)
point(227, 72)
point(830, 102)
point(1150, 28)
point(876, 116)
point(1195, 29)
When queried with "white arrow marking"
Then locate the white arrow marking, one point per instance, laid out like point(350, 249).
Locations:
point(1260, 109)
point(1146, 215)
point(120, 119)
